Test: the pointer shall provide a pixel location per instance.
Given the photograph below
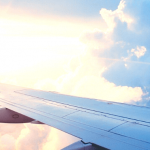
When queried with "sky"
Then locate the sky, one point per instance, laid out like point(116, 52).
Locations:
point(95, 49)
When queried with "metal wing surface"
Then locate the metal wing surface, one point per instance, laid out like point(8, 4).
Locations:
point(108, 124)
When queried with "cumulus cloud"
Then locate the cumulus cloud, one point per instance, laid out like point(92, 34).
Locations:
point(100, 88)
point(97, 39)
point(110, 16)
point(7, 142)
point(108, 42)
point(139, 51)
point(54, 140)
point(88, 82)
point(128, 52)
point(8, 135)
point(32, 137)
point(131, 46)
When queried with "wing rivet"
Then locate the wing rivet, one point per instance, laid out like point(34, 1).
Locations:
point(15, 116)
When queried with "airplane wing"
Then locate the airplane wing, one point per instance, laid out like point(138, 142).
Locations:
point(102, 124)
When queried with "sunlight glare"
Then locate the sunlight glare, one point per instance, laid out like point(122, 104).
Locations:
point(21, 52)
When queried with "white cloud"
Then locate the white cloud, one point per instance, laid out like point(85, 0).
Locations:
point(139, 51)
point(126, 65)
point(97, 39)
point(46, 84)
point(100, 88)
point(54, 140)
point(92, 86)
point(109, 16)
point(7, 142)
point(32, 137)
point(87, 81)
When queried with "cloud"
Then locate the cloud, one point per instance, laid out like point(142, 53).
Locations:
point(110, 16)
point(87, 81)
point(46, 84)
point(100, 88)
point(32, 136)
point(139, 51)
point(27, 138)
point(55, 142)
point(107, 42)
point(131, 47)
point(97, 39)
point(128, 54)
point(11, 129)
point(8, 135)
point(7, 142)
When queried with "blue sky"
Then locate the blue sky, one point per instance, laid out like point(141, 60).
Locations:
point(83, 9)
